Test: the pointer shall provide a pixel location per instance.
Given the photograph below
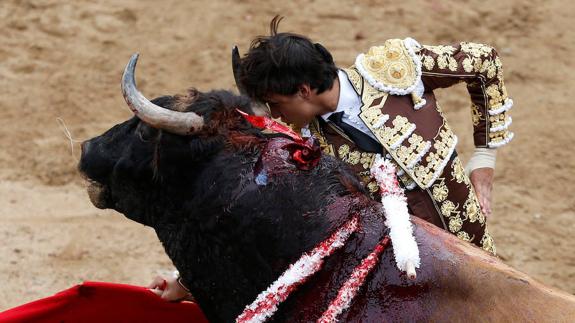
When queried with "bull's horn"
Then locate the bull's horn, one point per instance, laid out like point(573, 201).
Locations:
point(258, 107)
point(181, 123)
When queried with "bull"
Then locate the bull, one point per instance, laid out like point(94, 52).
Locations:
point(233, 209)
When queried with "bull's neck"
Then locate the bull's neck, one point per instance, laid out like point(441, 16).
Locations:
point(314, 297)
point(227, 273)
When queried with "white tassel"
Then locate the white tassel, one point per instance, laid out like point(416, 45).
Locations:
point(394, 204)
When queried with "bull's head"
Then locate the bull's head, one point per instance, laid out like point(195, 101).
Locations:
point(167, 135)
point(230, 206)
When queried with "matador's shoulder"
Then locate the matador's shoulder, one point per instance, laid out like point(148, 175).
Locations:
point(395, 68)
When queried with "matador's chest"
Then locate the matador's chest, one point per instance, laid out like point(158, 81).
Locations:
point(334, 142)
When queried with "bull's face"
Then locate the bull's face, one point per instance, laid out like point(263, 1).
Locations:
point(160, 147)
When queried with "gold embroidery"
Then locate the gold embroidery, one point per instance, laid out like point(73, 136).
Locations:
point(441, 49)
point(428, 62)
point(448, 208)
point(445, 59)
point(455, 224)
point(373, 116)
point(472, 208)
point(354, 77)
point(488, 244)
point(468, 64)
point(476, 50)
point(354, 157)
point(442, 62)
point(476, 116)
point(494, 94)
point(452, 64)
point(491, 69)
point(463, 236)
point(366, 159)
point(412, 154)
point(440, 191)
point(372, 187)
point(499, 120)
point(343, 152)
point(421, 165)
point(391, 64)
point(444, 146)
point(393, 136)
point(458, 172)
point(315, 131)
point(477, 64)
point(498, 135)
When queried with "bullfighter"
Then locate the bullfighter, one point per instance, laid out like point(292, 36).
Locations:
point(384, 104)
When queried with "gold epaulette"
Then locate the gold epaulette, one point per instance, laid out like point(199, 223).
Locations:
point(394, 68)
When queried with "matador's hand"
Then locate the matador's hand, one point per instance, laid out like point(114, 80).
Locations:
point(482, 180)
point(169, 289)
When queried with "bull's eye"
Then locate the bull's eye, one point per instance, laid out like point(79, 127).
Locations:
point(147, 133)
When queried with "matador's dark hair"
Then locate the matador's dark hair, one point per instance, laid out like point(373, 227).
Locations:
point(281, 62)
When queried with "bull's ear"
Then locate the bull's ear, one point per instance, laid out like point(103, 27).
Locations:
point(146, 132)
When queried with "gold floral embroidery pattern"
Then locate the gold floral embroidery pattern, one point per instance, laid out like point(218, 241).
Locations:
point(457, 215)
point(464, 236)
point(372, 115)
point(372, 187)
point(472, 209)
point(487, 243)
point(448, 208)
point(315, 131)
point(354, 157)
point(458, 171)
point(365, 159)
point(428, 62)
point(482, 71)
point(440, 191)
point(445, 59)
point(441, 49)
point(476, 115)
point(476, 50)
point(455, 224)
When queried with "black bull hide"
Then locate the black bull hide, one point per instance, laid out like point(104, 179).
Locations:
point(231, 234)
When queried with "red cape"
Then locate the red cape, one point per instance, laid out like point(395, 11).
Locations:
point(104, 302)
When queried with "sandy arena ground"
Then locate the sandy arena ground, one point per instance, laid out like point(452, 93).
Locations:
point(63, 59)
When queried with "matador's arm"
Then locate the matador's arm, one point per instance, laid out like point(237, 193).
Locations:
point(480, 68)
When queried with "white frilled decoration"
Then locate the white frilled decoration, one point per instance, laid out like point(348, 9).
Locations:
point(394, 204)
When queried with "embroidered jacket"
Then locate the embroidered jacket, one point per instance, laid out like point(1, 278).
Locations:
point(396, 82)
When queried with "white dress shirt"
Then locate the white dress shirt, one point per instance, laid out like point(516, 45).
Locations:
point(350, 103)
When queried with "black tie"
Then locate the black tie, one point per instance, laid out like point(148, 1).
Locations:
point(362, 140)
